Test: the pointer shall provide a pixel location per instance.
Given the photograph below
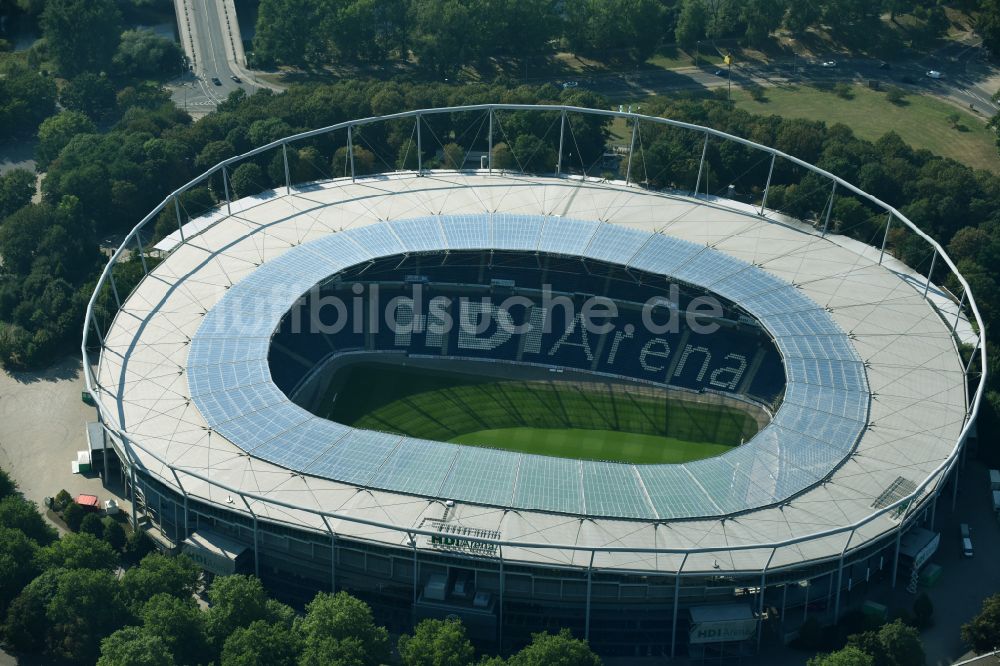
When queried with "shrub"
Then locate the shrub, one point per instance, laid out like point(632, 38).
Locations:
point(92, 524)
point(114, 533)
point(61, 500)
point(73, 516)
point(895, 95)
point(843, 90)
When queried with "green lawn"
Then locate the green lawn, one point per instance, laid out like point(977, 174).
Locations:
point(592, 444)
point(921, 121)
point(567, 419)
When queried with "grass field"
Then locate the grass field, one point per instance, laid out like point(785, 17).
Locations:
point(921, 121)
point(591, 421)
point(593, 444)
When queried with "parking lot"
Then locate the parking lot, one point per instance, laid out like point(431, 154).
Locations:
point(42, 421)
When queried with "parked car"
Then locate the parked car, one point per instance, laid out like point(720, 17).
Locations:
point(934, 74)
point(829, 63)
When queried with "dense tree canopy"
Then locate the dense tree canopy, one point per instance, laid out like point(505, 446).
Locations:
point(338, 628)
point(159, 574)
point(78, 551)
point(144, 54)
point(26, 98)
point(132, 646)
point(436, 643)
point(982, 633)
point(82, 35)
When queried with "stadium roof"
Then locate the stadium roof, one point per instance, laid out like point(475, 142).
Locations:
point(824, 413)
point(151, 365)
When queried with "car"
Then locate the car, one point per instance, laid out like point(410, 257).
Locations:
point(236, 79)
point(720, 72)
point(570, 84)
point(829, 63)
point(884, 65)
point(967, 547)
point(216, 81)
point(934, 74)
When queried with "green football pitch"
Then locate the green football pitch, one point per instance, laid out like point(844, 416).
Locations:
point(591, 421)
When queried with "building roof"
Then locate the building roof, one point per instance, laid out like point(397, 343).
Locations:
point(152, 359)
point(824, 412)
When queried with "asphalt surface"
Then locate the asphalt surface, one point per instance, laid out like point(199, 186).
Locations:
point(966, 79)
point(210, 37)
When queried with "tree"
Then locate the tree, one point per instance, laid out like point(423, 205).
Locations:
point(262, 644)
point(78, 551)
point(82, 35)
point(25, 626)
point(761, 18)
point(19, 513)
point(156, 573)
point(452, 156)
point(285, 31)
point(691, 24)
point(895, 95)
point(85, 607)
point(237, 601)
point(93, 525)
point(17, 564)
point(17, 187)
point(436, 643)
point(988, 23)
point(559, 649)
point(114, 533)
point(338, 628)
point(893, 644)
point(179, 623)
point(902, 644)
point(73, 516)
point(534, 155)
point(983, 631)
point(7, 485)
point(57, 131)
point(247, 179)
point(503, 158)
point(143, 53)
point(132, 646)
point(849, 656)
point(90, 94)
point(801, 15)
point(26, 98)
point(440, 32)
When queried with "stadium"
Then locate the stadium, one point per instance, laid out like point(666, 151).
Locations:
point(674, 422)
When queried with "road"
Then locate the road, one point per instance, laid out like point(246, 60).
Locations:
point(212, 43)
point(966, 80)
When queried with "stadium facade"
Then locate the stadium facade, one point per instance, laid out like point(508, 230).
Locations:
point(201, 373)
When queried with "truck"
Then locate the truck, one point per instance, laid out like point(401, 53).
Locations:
point(218, 554)
point(995, 479)
point(918, 545)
